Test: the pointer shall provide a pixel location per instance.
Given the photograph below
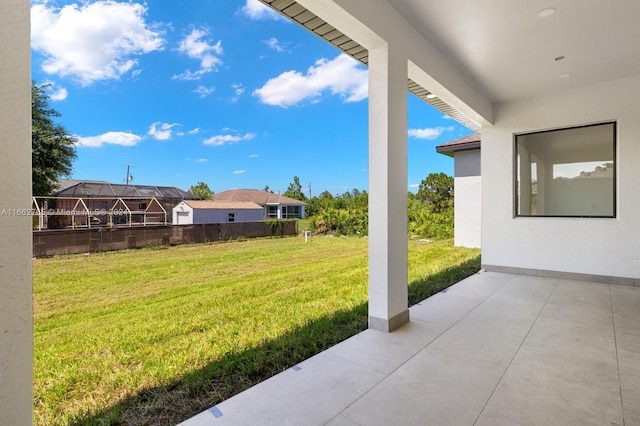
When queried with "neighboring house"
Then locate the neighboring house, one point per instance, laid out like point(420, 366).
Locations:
point(275, 206)
point(92, 200)
point(191, 212)
point(168, 196)
point(467, 189)
point(551, 97)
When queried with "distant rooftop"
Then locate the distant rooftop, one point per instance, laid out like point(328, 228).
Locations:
point(94, 189)
point(471, 141)
point(226, 205)
point(256, 196)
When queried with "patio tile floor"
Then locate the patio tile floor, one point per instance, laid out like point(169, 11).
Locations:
point(494, 349)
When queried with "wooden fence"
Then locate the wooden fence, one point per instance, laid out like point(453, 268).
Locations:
point(68, 241)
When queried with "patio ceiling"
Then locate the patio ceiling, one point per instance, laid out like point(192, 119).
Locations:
point(509, 49)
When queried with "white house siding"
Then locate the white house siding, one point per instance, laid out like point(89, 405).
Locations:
point(182, 214)
point(183, 218)
point(467, 199)
point(604, 247)
point(16, 327)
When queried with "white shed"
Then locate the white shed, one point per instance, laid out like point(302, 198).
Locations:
point(190, 212)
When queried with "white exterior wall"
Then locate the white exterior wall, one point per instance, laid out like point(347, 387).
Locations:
point(467, 199)
point(16, 325)
point(187, 219)
point(607, 247)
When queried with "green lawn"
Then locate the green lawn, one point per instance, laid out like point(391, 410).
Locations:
point(156, 336)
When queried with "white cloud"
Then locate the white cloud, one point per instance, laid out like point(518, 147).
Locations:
point(59, 94)
point(194, 131)
point(201, 160)
point(429, 133)
point(341, 76)
point(258, 11)
point(414, 185)
point(196, 47)
point(238, 89)
point(55, 93)
point(253, 156)
point(93, 41)
point(220, 140)
point(113, 138)
point(446, 117)
point(238, 172)
point(161, 131)
point(204, 91)
point(275, 44)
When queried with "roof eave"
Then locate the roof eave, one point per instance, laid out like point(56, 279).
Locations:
point(450, 150)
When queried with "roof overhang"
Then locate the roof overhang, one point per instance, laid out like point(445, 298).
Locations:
point(466, 143)
point(354, 35)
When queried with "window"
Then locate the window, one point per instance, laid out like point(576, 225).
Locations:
point(142, 206)
point(231, 217)
point(289, 212)
point(272, 211)
point(567, 172)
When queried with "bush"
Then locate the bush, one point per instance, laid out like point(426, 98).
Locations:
point(342, 221)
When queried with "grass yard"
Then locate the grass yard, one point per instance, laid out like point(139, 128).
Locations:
point(156, 336)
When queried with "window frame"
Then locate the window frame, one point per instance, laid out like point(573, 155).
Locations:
point(231, 217)
point(516, 177)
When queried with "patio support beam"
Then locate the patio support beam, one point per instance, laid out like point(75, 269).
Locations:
point(388, 245)
point(16, 250)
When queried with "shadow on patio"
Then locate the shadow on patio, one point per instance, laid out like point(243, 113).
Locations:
point(241, 370)
point(493, 349)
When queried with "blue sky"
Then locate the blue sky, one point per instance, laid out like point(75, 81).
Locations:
point(221, 91)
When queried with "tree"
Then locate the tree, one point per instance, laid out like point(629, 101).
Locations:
point(201, 190)
point(437, 191)
point(267, 189)
point(52, 148)
point(295, 190)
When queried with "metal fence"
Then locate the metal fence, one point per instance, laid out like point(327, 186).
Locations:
point(68, 241)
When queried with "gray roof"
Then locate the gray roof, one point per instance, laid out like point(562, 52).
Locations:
point(95, 189)
point(256, 196)
point(466, 143)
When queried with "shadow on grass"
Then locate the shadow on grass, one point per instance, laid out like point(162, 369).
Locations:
point(239, 370)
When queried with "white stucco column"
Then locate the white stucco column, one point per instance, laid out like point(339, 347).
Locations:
point(16, 326)
point(388, 241)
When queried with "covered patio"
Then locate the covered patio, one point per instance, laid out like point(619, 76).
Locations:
point(494, 349)
point(549, 335)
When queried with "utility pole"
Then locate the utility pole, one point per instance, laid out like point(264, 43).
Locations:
point(129, 177)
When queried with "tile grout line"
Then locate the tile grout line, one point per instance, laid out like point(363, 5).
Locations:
point(421, 349)
point(518, 351)
point(615, 343)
